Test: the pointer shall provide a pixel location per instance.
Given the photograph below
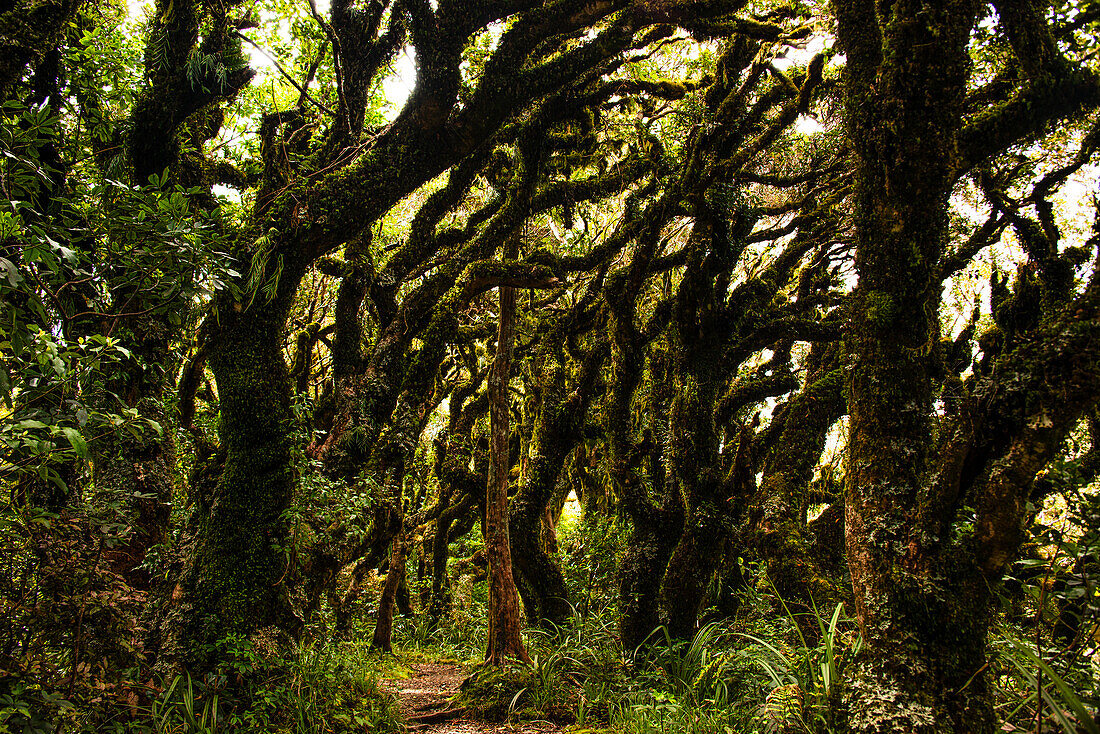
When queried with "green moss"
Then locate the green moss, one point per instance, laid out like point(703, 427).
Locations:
point(879, 309)
point(497, 694)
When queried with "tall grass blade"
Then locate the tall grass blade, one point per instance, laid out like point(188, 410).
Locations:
point(1067, 699)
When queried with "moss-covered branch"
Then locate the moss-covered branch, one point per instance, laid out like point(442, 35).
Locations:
point(28, 30)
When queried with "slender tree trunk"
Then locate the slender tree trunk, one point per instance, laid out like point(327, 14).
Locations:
point(344, 604)
point(504, 620)
point(438, 603)
point(456, 519)
point(590, 493)
point(404, 597)
point(383, 628)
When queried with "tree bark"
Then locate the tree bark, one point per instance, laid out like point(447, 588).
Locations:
point(504, 619)
point(383, 627)
point(29, 30)
point(652, 539)
point(234, 581)
point(696, 477)
point(922, 579)
point(558, 426)
point(923, 622)
point(783, 539)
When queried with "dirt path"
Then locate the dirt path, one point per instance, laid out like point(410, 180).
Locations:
point(425, 704)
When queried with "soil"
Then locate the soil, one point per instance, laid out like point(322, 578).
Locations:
point(425, 703)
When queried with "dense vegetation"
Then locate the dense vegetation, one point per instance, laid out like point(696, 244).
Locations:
point(697, 365)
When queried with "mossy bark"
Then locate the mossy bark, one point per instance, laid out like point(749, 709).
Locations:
point(783, 539)
point(504, 612)
point(235, 580)
point(462, 493)
point(540, 579)
point(383, 627)
point(135, 472)
point(699, 481)
point(138, 473)
point(28, 30)
point(652, 539)
point(563, 402)
point(697, 473)
point(656, 522)
point(923, 619)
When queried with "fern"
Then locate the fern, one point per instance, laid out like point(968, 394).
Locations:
point(257, 271)
point(271, 286)
point(781, 712)
point(156, 49)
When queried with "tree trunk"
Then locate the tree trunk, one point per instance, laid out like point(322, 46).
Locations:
point(136, 472)
point(656, 524)
point(783, 539)
point(695, 476)
point(235, 578)
point(923, 622)
point(504, 619)
point(440, 593)
point(648, 551)
point(546, 600)
point(690, 378)
point(558, 425)
point(383, 627)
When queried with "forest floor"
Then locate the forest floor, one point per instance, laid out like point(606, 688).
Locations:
point(426, 706)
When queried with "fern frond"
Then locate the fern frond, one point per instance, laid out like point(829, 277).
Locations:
point(781, 712)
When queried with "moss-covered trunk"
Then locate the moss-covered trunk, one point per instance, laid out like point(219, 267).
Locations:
point(540, 580)
point(234, 581)
point(690, 379)
point(922, 618)
point(383, 627)
point(138, 473)
point(783, 539)
point(656, 521)
point(444, 526)
point(558, 425)
point(695, 473)
point(652, 539)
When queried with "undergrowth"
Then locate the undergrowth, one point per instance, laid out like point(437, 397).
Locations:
point(328, 689)
point(755, 674)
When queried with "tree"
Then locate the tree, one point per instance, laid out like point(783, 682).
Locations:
point(922, 585)
point(504, 621)
point(674, 331)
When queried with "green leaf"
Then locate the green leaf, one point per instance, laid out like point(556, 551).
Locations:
point(77, 441)
point(11, 272)
point(5, 387)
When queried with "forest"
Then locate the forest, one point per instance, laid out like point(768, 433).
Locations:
point(635, 366)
